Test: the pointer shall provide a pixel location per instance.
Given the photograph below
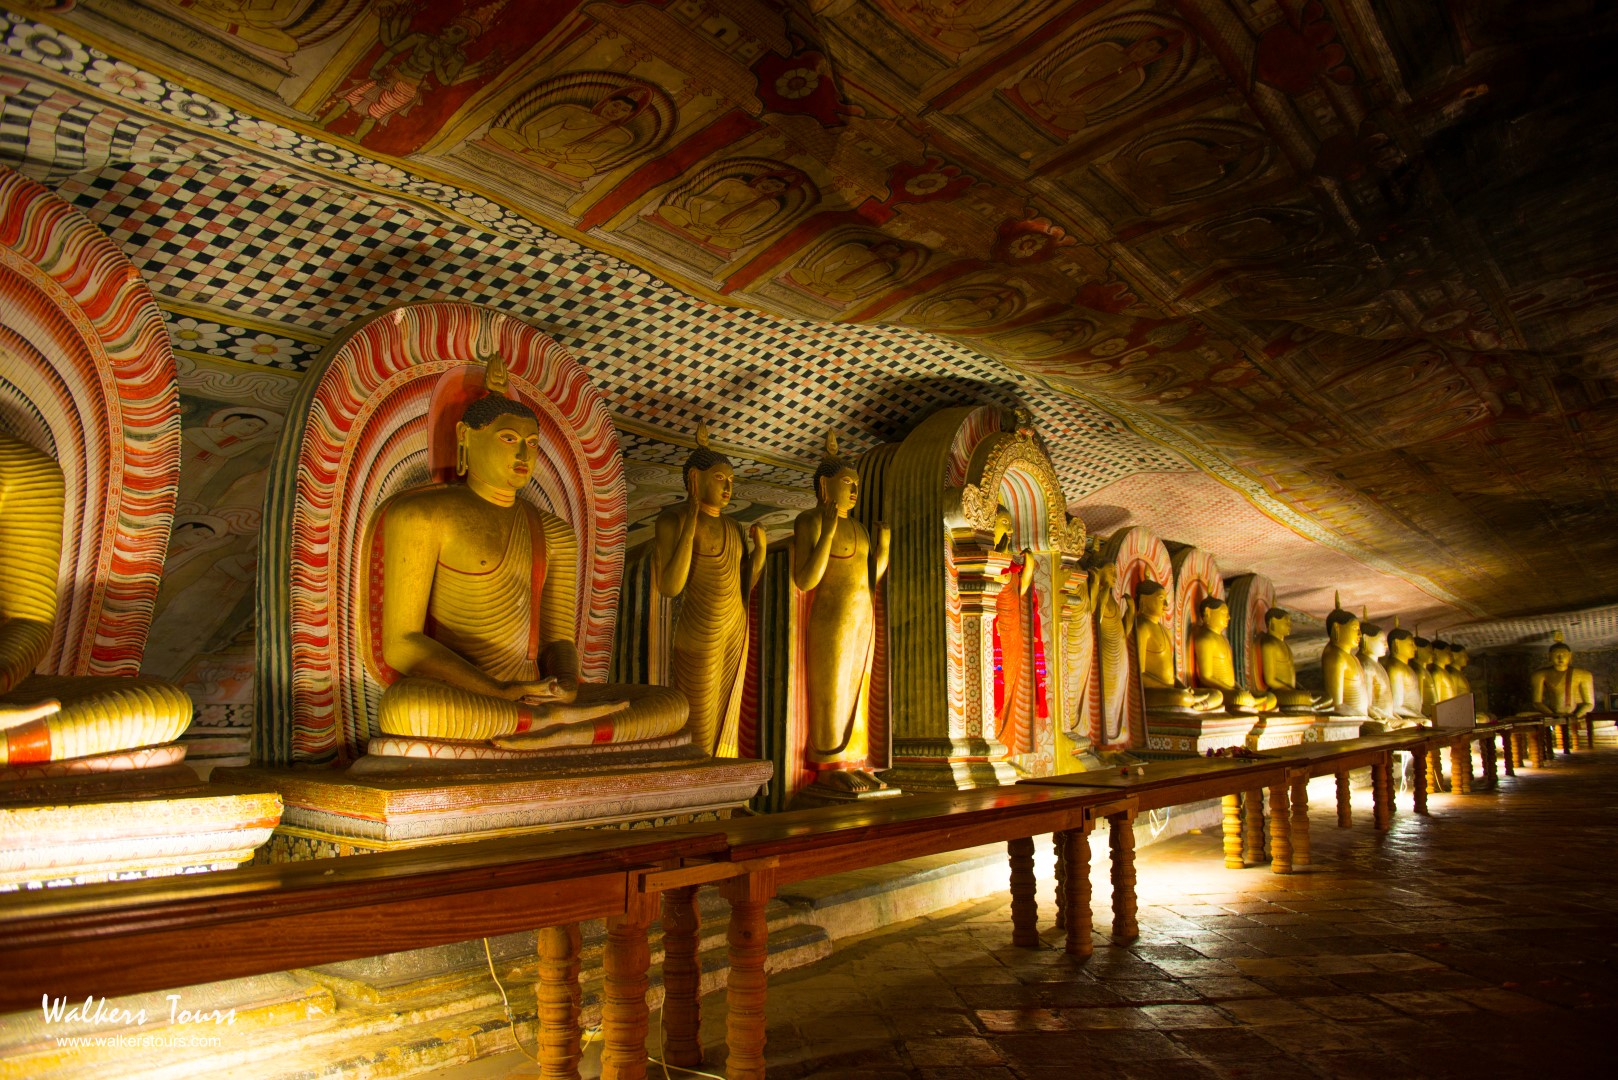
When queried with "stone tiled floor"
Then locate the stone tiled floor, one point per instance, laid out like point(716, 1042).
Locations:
point(1481, 941)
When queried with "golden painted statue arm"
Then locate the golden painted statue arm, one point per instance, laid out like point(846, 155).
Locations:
point(410, 555)
point(676, 540)
point(755, 559)
point(31, 507)
point(879, 557)
point(813, 534)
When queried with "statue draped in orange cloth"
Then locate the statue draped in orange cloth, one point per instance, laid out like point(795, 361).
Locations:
point(1019, 681)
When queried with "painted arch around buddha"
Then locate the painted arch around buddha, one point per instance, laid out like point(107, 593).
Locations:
point(87, 376)
point(363, 435)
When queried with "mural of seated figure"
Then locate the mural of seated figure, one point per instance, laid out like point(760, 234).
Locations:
point(484, 652)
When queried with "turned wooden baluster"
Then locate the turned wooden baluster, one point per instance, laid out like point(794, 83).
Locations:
point(1231, 826)
point(1300, 822)
point(1508, 751)
point(1382, 792)
point(1124, 924)
point(1253, 827)
point(1060, 844)
point(1076, 868)
point(1024, 907)
point(1418, 790)
point(1435, 765)
point(745, 990)
point(624, 1015)
point(1280, 830)
point(1460, 766)
point(557, 996)
point(682, 973)
point(1535, 738)
point(1345, 802)
point(1573, 735)
point(1491, 773)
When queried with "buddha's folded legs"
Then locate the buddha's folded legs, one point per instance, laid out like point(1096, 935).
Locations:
point(99, 714)
point(427, 708)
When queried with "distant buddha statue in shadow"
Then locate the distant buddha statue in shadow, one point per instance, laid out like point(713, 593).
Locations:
point(1560, 690)
point(1155, 649)
point(1216, 667)
point(58, 717)
point(483, 649)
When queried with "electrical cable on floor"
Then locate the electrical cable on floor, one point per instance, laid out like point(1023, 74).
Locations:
point(589, 1035)
point(505, 1003)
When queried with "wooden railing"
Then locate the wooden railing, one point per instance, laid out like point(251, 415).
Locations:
point(129, 937)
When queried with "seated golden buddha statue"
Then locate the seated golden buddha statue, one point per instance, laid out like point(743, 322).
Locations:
point(1280, 671)
point(1215, 666)
point(1378, 687)
point(1155, 649)
point(1560, 690)
point(1422, 664)
point(1404, 681)
point(1444, 686)
point(1345, 677)
point(483, 650)
point(58, 717)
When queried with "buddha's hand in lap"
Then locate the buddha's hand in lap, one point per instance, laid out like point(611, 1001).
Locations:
point(556, 689)
point(16, 715)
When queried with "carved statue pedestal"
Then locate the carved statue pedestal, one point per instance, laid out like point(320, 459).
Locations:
point(818, 794)
point(390, 802)
point(945, 764)
point(1176, 733)
point(138, 813)
point(1337, 728)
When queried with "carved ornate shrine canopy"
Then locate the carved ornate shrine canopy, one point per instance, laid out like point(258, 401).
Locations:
point(1352, 258)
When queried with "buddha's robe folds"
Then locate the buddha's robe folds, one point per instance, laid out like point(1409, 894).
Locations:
point(98, 714)
point(839, 647)
point(709, 651)
point(491, 620)
point(1112, 652)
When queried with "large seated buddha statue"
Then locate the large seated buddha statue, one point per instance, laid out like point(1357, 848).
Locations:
point(1404, 681)
point(1340, 664)
point(1160, 686)
point(1378, 686)
point(1280, 670)
point(1215, 666)
point(483, 650)
point(1560, 690)
point(58, 717)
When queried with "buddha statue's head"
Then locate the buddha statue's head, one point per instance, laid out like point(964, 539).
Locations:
point(1107, 574)
point(1458, 657)
point(1343, 627)
point(1278, 622)
point(1214, 613)
point(1373, 639)
point(1424, 650)
point(1401, 644)
point(1561, 654)
point(837, 482)
point(709, 476)
point(1441, 655)
point(1151, 600)
point(1002, 528)
point(496, 440)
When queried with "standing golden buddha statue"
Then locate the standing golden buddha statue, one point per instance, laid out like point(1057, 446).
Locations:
point(1215, 666)
point(837, 565)
point(1155, 650)
point(1560, 690)
point(1340, 664)
point(482, 649)
point(1114, 618)
point(58, 717)
point(699, 559)
point(1279, 668)
point(1404, 681)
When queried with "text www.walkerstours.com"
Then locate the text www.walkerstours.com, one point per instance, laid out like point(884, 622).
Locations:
point(138, 1042)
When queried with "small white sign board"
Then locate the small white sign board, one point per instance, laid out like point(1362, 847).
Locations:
point(1457, 712)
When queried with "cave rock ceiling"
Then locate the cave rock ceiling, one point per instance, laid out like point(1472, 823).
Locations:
point(1354, 258)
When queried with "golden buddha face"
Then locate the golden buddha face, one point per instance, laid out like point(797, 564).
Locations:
point(1216, 618)
point(1459, 659)
point(1404, 649)
point(1374, 645)
point(502, 453)
point(841, 490)
point(1346, 635)
point(712, 488)
point(1561, 659)
point(1152, 604)
point(1280, 626)
point(1002, 528)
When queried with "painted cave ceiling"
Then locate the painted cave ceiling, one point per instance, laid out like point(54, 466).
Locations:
point(1343, 269)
